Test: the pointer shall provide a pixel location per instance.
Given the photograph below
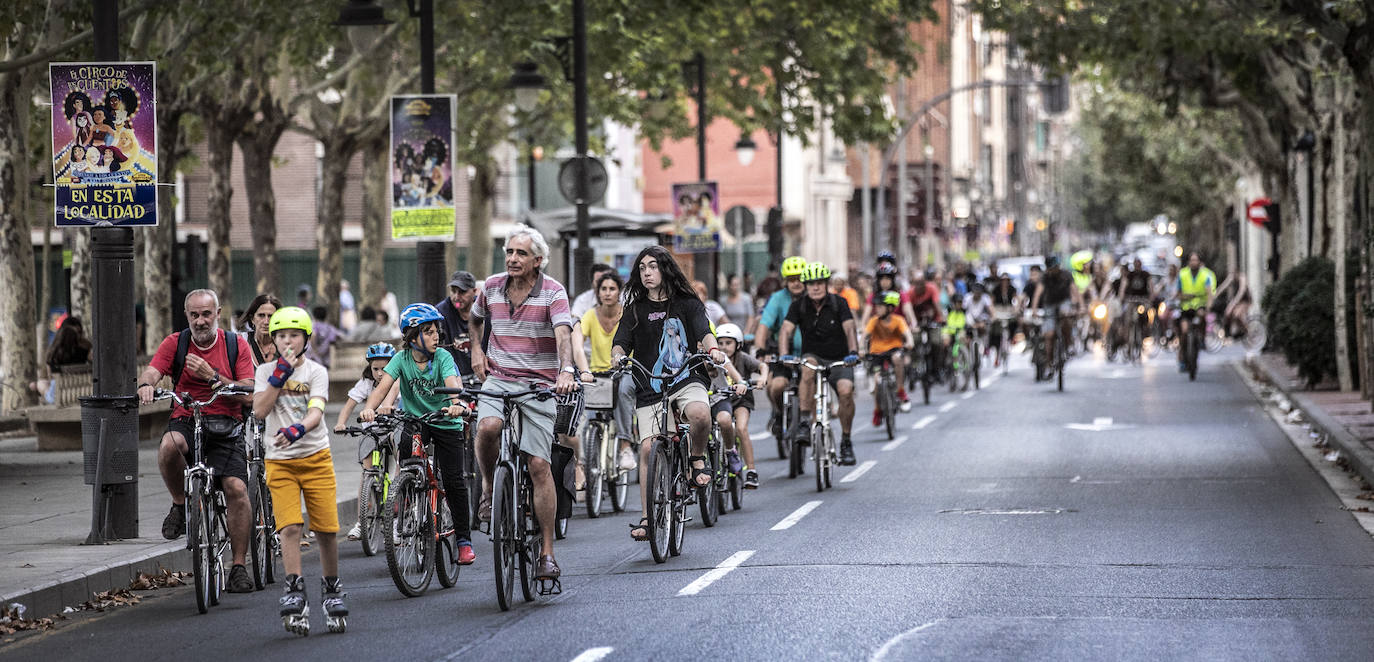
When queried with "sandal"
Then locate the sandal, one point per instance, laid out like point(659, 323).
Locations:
point(699, 472)
point(642, 526)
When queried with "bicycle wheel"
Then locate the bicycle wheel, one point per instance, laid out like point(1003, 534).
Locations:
point(216, 538)
point(595, 467)
point(410, 535)
point(1214, 340)
point(819, 454)
point(678, 520)
point(529, 539)
point(258, 551)
point(446, 547)
point(721, 476)
point(199, 546)
point(956, 365)
point(976, 364)
point(706, 495)
point(620, 489)
point(830, 455)
point(370, 514)
point(503, 553)
point(1191, 352)
point(659, 500)
point(1060, 359)
point(1255, 333)
point(889, 405)
point(736, 491)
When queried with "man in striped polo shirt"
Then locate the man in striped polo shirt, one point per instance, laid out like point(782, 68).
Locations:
point(531, 345)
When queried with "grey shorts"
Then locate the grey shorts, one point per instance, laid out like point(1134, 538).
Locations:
point(836, 374)
point(649, 417)
point(536, 416)
point(1053, 314)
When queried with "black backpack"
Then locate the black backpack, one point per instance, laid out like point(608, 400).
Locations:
point(184, 346)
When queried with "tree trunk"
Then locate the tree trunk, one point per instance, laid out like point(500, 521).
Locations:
point(376, 224)
point(81, 274)
point(220, 143)
point(1338, 213)
point(481, 190)
point(158, 241)
point(257, 143)
point(329, 223)
point(17, 349)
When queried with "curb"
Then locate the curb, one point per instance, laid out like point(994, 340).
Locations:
point(1359, 455)
point(52, 597)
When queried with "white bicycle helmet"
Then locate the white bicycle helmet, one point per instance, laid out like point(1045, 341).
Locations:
point(731, 331)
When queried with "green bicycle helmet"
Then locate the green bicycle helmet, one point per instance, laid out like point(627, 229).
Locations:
point(815, 271)
point(793, 266)
point(892, 299)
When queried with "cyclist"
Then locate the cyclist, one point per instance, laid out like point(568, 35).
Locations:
point(530, 343)
point(885, 280)
point(420, 369)
point(1197, 287)
point(732, 413)
point(1080, 264)
point(1005, 298)
point(956, 322)
point(290, 395)
point(765, 336)
point(978, 307)
point(921, 305)
point(457, 310)
point(198, 360)
point(827, 328)
point(886, 332)
point(1135, 291)
point(378, 355)
point(598, 326)
point(664, 322)
point(1057, 295)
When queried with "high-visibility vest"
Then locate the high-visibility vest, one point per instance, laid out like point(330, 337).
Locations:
point(1193, 288)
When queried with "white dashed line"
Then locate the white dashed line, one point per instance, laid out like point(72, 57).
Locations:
point(796, 516)
point(859, 471)
point(969, 395)
point(1102, 420)
point(716, 573)
point(927, 420)
point(948, 406)
point(593, 654)
point(894, 443)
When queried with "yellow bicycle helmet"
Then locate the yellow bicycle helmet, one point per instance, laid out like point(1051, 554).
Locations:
point(793, 266)
point(814, 272)
point(892, 299)
point(1080, 259)
point(291, 317)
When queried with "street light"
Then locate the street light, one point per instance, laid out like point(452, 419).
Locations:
point(364, 21)
point(745, 149)
point(527, 82)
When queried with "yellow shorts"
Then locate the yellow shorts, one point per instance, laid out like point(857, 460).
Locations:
point(311, 476)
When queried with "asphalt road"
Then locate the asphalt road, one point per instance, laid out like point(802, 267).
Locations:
point(1135, 516)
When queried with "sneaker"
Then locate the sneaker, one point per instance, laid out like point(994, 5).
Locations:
point(239, 581)
point(465, 554)
point(905, 402)
point(628, 461)
point(733, 461)
point(751, 480)
point(877, 418)
point(175, 523)
point(847, 452)
point(356, 532)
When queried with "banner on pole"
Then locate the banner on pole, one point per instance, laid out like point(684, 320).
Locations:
point(104, 142)
point(696, 217)
point(422, 167)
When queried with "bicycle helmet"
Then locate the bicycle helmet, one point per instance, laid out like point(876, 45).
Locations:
point(814, 272)
point(793, 266)
point(380, 350)
point(419, 313)
point(892, 299)
point(886, 269)
point(1051, 261)
point(886, 256)
point(731, 331)
point(291, 317)
point(1080, 259)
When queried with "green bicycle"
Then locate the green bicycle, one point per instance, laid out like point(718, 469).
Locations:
point(375, 487)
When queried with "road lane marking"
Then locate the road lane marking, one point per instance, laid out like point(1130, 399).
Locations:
point(796, 516)
point(593, 654)
point(1102, 420)
point(969, 395)
point(716, 573)
point(894, 443)
point(927, 420)
point(859, 471)
point(948, 406)
point(886, 649)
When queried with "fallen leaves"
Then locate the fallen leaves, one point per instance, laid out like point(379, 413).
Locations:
point(12, 617)
point(12, 620)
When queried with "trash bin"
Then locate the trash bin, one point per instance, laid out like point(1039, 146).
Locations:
point(117, 418)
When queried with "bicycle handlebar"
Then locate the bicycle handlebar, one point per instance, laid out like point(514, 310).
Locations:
point(692, 359)
point(185, 400)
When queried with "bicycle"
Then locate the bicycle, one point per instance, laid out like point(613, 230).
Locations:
point(1138, 310)
point(667, 492)
point(824, 453)
point(207, 531)
point(376, 486)
point(1002, 322)
point(604, 475)
point(785, 417)
point(885, 393)
point(1251, 332)
point(727, 484)
point(1191, 343)
point(515, 533)
point(420, 540)
point(923, 368)
point(265, 544)
point(960, 361)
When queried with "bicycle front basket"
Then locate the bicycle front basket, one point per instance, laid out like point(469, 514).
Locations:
point(568, 412)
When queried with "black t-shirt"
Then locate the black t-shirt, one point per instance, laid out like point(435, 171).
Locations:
point(1138, 283)
point(1029, 290)
point(1058, 288)
point(660, 335)
point(1003, 297)
point(453, 330)
point(822, 330)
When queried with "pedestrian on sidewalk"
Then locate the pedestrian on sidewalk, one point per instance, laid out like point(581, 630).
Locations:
point(291, 394)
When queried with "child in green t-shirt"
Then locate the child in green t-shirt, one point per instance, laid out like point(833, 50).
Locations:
point(420, 369)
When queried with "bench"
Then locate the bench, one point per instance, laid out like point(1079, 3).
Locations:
point(349, 359)
point(58, 425)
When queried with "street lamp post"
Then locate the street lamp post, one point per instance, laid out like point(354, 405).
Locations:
point(364, 20)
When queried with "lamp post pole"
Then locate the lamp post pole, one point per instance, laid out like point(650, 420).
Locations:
point(703, 263)
point(429, 255)
point(583, 254)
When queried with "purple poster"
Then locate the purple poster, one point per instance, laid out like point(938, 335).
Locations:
point(104, 142)
point(696, 217)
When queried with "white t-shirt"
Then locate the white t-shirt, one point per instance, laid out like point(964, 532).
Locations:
point(309, 380)
point(362, 390)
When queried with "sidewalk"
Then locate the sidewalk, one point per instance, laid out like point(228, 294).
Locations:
point(1342, 416)
point(47, 515)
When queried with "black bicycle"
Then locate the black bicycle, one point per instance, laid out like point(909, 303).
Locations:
point(265, 545)
point(1192, 341)
point(885, 391)
point(207, 530)
point(375, 487)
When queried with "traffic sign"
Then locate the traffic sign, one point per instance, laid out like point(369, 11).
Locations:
point(1257, 213)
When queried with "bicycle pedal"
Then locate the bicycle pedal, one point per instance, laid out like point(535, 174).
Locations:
point(549, 586)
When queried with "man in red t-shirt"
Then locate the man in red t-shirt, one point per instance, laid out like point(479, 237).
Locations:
point(922, 302)
point(206, 368)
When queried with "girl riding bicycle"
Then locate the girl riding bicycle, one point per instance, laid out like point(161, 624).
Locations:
point(378, 355)
point(732, 411)
point(419, 370)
